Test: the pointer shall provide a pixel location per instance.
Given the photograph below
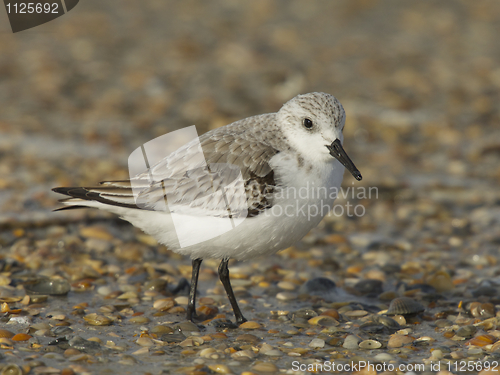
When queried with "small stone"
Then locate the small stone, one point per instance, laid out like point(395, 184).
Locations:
point(187, 327)
point(274, 353)
point(163, 304)
point(141, 351)
point(286, 296)
point(247, 337)
point(250, 325)
point(323, 320)
point(397, 341)
point(182, 300)
point(97, 232)
point(466, 331)
point(243, 355)
point(144, 341)
point(318, 343)
point(287, 285)
point(161, 330)
point(383, 357)
point(97, 320)
point(220, 369)
point(207, 352)
point(354, 314)
point(351, 342)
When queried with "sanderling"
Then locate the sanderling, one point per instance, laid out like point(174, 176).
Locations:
point(276, 154)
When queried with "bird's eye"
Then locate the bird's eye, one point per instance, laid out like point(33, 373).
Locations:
point(308, 124)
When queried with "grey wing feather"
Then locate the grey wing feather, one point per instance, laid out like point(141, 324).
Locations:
point(187, 185)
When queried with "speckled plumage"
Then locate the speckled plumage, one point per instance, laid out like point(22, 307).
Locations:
point(273, 152)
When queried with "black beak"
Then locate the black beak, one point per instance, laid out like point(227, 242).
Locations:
point(337, 151)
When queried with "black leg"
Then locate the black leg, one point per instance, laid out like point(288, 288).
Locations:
point(224, 278)
point(191, 308)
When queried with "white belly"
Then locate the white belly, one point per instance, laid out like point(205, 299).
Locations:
point(307, 198)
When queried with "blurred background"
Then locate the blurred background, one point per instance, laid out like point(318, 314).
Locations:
point(420, 83)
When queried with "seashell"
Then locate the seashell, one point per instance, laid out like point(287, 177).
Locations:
point(370, 344)
point(161, 330)
point(82, 285)
point(404, 306)
point(12, 369)
point(466, 331)
point(304, 314)
point(397, 341)
point(144, 341)
point(156, 285)
point(331, 312)
point(250, 325)
point(482, 340)
point(163, 304)
point(97, 320)
point(323, 320)
point(487, 324)
point(386, 321)
point(45, 285)
point(441, 281)
point(6, 334)
point(206, 312)
point(139, 320)
point(247, 337)
point(220, 369)
point(84, 345)
point(187, 327)
point(39, 298)
point(21, 337)
point(482, 310)
point(372, 327)
point(355, 313)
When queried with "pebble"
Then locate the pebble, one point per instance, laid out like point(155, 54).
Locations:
point(45, 285)
point(220, 369)
point(265, 367)
point(466, 331)
point(97, 320)
point(287, 285)
point(383, 357)
point(323, 320)
point(319, 343)
point(351, 342)
point(397, 341)
point(286, 296)
point(250, 325)
point(144, 341)
point(247, 337)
